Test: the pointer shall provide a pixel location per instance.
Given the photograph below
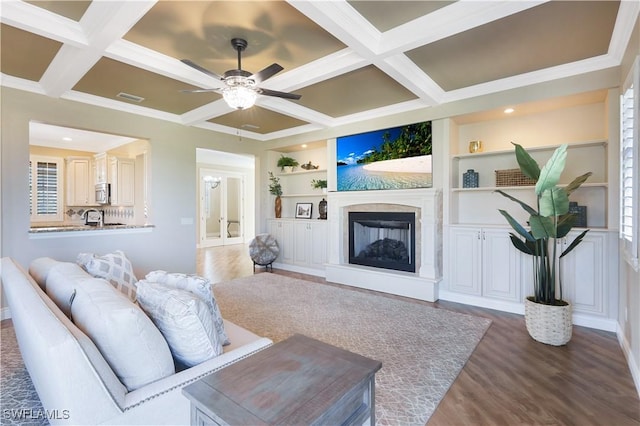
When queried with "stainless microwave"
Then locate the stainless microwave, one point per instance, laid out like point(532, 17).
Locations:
point(103, 193)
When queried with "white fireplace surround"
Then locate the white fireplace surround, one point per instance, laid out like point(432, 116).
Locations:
point(427, 204)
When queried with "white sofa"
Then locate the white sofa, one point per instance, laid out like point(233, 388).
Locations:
point(72, 377)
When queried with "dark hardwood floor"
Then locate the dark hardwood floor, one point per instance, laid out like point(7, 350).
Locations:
point(509, 379)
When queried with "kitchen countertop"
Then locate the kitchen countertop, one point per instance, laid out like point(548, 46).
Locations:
point(83, 229)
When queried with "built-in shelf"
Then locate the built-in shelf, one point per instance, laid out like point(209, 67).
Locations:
point(302, 172)
point(524, 187)
point(600, 142)
point(315, 194)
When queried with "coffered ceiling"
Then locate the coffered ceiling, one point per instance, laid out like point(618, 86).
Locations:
point(350, 60)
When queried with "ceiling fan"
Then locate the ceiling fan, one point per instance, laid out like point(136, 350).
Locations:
point(241, 87)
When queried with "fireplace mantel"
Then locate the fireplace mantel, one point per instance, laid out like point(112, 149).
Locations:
point(423, 284)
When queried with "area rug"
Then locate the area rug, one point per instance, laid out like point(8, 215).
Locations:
point(19, 402)
point(422, 349)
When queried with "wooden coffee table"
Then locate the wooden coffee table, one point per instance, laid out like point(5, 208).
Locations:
point(299, 381)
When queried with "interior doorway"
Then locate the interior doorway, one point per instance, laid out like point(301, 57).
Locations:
point(221, 208)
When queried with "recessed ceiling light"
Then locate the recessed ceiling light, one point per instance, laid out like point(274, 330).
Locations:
point(67, 139)
point(509, 110)
point(304, 145)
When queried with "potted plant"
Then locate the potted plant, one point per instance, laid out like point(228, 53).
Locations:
point(287, 163)
point(319, 184)
point(547, 315)
point(275, 188)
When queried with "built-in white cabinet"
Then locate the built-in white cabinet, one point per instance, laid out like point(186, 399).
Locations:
point(122, 178)
point(79, 178)
point(302, 243)
point(483, 262)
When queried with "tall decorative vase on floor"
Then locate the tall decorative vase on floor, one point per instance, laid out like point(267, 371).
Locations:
point(278, 207)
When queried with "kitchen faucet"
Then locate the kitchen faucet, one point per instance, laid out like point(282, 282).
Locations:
point(100, 216)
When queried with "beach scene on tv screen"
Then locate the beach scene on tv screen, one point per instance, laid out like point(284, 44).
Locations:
point(395, 158)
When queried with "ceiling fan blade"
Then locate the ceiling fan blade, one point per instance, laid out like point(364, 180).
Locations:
point(200, 90)
point(266, 73)
point(201, 69)
point(277, 94)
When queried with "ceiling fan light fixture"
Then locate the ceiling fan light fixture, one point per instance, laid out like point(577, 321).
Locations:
point(239, 97)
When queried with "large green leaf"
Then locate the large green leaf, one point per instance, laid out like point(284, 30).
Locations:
point(550, 173)
point(526, 207)
point(577, 182)
point(516, 226)
point(564, 225)
point(541, 227)
point(574, 243)
point(554, 202)
point(521, 245)
point(527, 164)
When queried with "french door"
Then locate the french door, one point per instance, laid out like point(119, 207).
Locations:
point(221, 208)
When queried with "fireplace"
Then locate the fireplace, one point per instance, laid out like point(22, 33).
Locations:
point(383, 240)
point(424, 205)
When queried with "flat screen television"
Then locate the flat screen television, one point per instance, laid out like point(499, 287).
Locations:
point(394, 158)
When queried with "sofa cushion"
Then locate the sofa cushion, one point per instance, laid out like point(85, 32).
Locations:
point(124, 334)
point(197, 285)
point(39, 270)
point(114, 267)
point(62, 280)
point(185, 321)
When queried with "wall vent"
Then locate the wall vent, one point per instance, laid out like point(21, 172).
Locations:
point(130, 97)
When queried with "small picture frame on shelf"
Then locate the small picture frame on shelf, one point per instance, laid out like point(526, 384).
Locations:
point(303, 210)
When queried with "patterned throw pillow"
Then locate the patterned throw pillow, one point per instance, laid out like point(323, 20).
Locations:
point(185, 321)
point(197, 285)
point(114, 267)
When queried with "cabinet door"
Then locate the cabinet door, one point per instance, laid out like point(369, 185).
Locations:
point(465, 260)
point(500, 266)
point(282, 230)
point(583, 273)
point(302, 237)
point(318, 244)
point(78, 185)
point(126, 182)
point(100, 161)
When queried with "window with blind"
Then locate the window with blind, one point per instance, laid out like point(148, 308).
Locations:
point(45, 188)
point(629, 170)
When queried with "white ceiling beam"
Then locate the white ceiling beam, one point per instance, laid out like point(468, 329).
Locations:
point(625, 21)
point(37, 20)
point(458, 17)
point(342, 21)
point(205, 112)
point(407, 73)
point(103, 24)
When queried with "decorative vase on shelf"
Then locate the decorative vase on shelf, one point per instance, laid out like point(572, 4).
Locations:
point(322, 209)
point(475, 146)
point(278, 207)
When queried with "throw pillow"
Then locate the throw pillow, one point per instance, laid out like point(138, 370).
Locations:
point(126, 337)
point(184, 320)
point(114, 267)
point(197, 285)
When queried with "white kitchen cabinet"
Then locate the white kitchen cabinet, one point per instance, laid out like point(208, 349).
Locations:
point(79, 187)
point(483, 262)
point(122, 178)
point(303, 244)
point(100, 164)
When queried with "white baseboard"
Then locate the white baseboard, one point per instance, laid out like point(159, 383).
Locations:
point(631, 361)
point(299, 269)
point(5, 313)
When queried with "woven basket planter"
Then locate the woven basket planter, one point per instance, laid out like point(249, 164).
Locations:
point(548, 324)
